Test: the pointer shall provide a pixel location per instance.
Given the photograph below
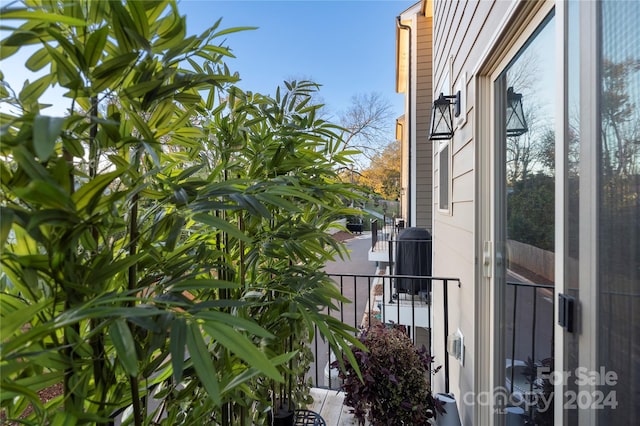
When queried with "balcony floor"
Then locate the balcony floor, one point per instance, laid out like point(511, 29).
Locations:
point(329, 403)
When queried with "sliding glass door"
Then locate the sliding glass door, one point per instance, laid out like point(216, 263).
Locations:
point(525, 224)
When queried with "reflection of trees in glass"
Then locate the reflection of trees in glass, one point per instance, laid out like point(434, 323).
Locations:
point(532, 200)
point(530, 158)
point(620, 163)
point(522, 74)
point(620, 119)
point(530, 215)
point(532, 152)
point(618, 280)
point(573, 191)
point(573, 172)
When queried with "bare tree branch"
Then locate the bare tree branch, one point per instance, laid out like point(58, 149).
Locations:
point(367, 122)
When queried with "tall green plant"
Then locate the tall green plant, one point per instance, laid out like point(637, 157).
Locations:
point(98, 243)
point(281, 160)
point(144, 256)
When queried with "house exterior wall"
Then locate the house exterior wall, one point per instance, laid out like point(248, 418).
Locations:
point(415, 80)
point(423, 100)
point(402, 137)
point(475, 45)
point(462, 30)
point(464, 33)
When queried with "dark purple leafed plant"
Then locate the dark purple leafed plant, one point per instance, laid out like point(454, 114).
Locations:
point(395, 389)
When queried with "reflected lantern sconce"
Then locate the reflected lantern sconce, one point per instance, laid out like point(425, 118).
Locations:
point(516, 123)
point(442, 118)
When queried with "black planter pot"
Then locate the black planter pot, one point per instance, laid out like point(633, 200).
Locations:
point(282, 416)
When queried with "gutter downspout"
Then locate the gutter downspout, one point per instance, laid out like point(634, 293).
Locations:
point(410, 122)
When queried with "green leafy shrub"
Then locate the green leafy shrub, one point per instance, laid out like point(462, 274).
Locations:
point(395, 387)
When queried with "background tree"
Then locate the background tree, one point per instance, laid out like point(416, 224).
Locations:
point(383, 174)
point(368, 121)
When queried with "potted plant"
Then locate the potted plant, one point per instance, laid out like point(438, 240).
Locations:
point(395, 384)
point(291, 319)
point(282, 413)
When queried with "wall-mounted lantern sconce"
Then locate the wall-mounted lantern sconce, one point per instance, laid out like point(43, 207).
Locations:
point(441, 117)
point(516, 123)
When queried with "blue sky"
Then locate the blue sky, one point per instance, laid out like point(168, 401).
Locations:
point(347, 46)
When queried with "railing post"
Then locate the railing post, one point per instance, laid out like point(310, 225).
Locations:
point(398, 303)
point(374, 234)
point(315, 355)
point(533, 329)
point(446, 334)
point(513, 337)
point(355, 301)
point(413, 309)
point(383, 312)
point(341, 302)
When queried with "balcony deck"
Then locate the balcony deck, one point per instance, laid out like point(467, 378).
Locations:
point(329, 404)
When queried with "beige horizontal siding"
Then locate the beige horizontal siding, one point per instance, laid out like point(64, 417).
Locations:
point(424, 153)
point(462, 31)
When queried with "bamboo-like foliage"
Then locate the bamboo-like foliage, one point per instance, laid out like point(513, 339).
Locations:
point(161, 253)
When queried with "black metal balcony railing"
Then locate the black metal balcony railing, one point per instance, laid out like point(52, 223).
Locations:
point(382, 230)
point(529, 332)
point(400, 299)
